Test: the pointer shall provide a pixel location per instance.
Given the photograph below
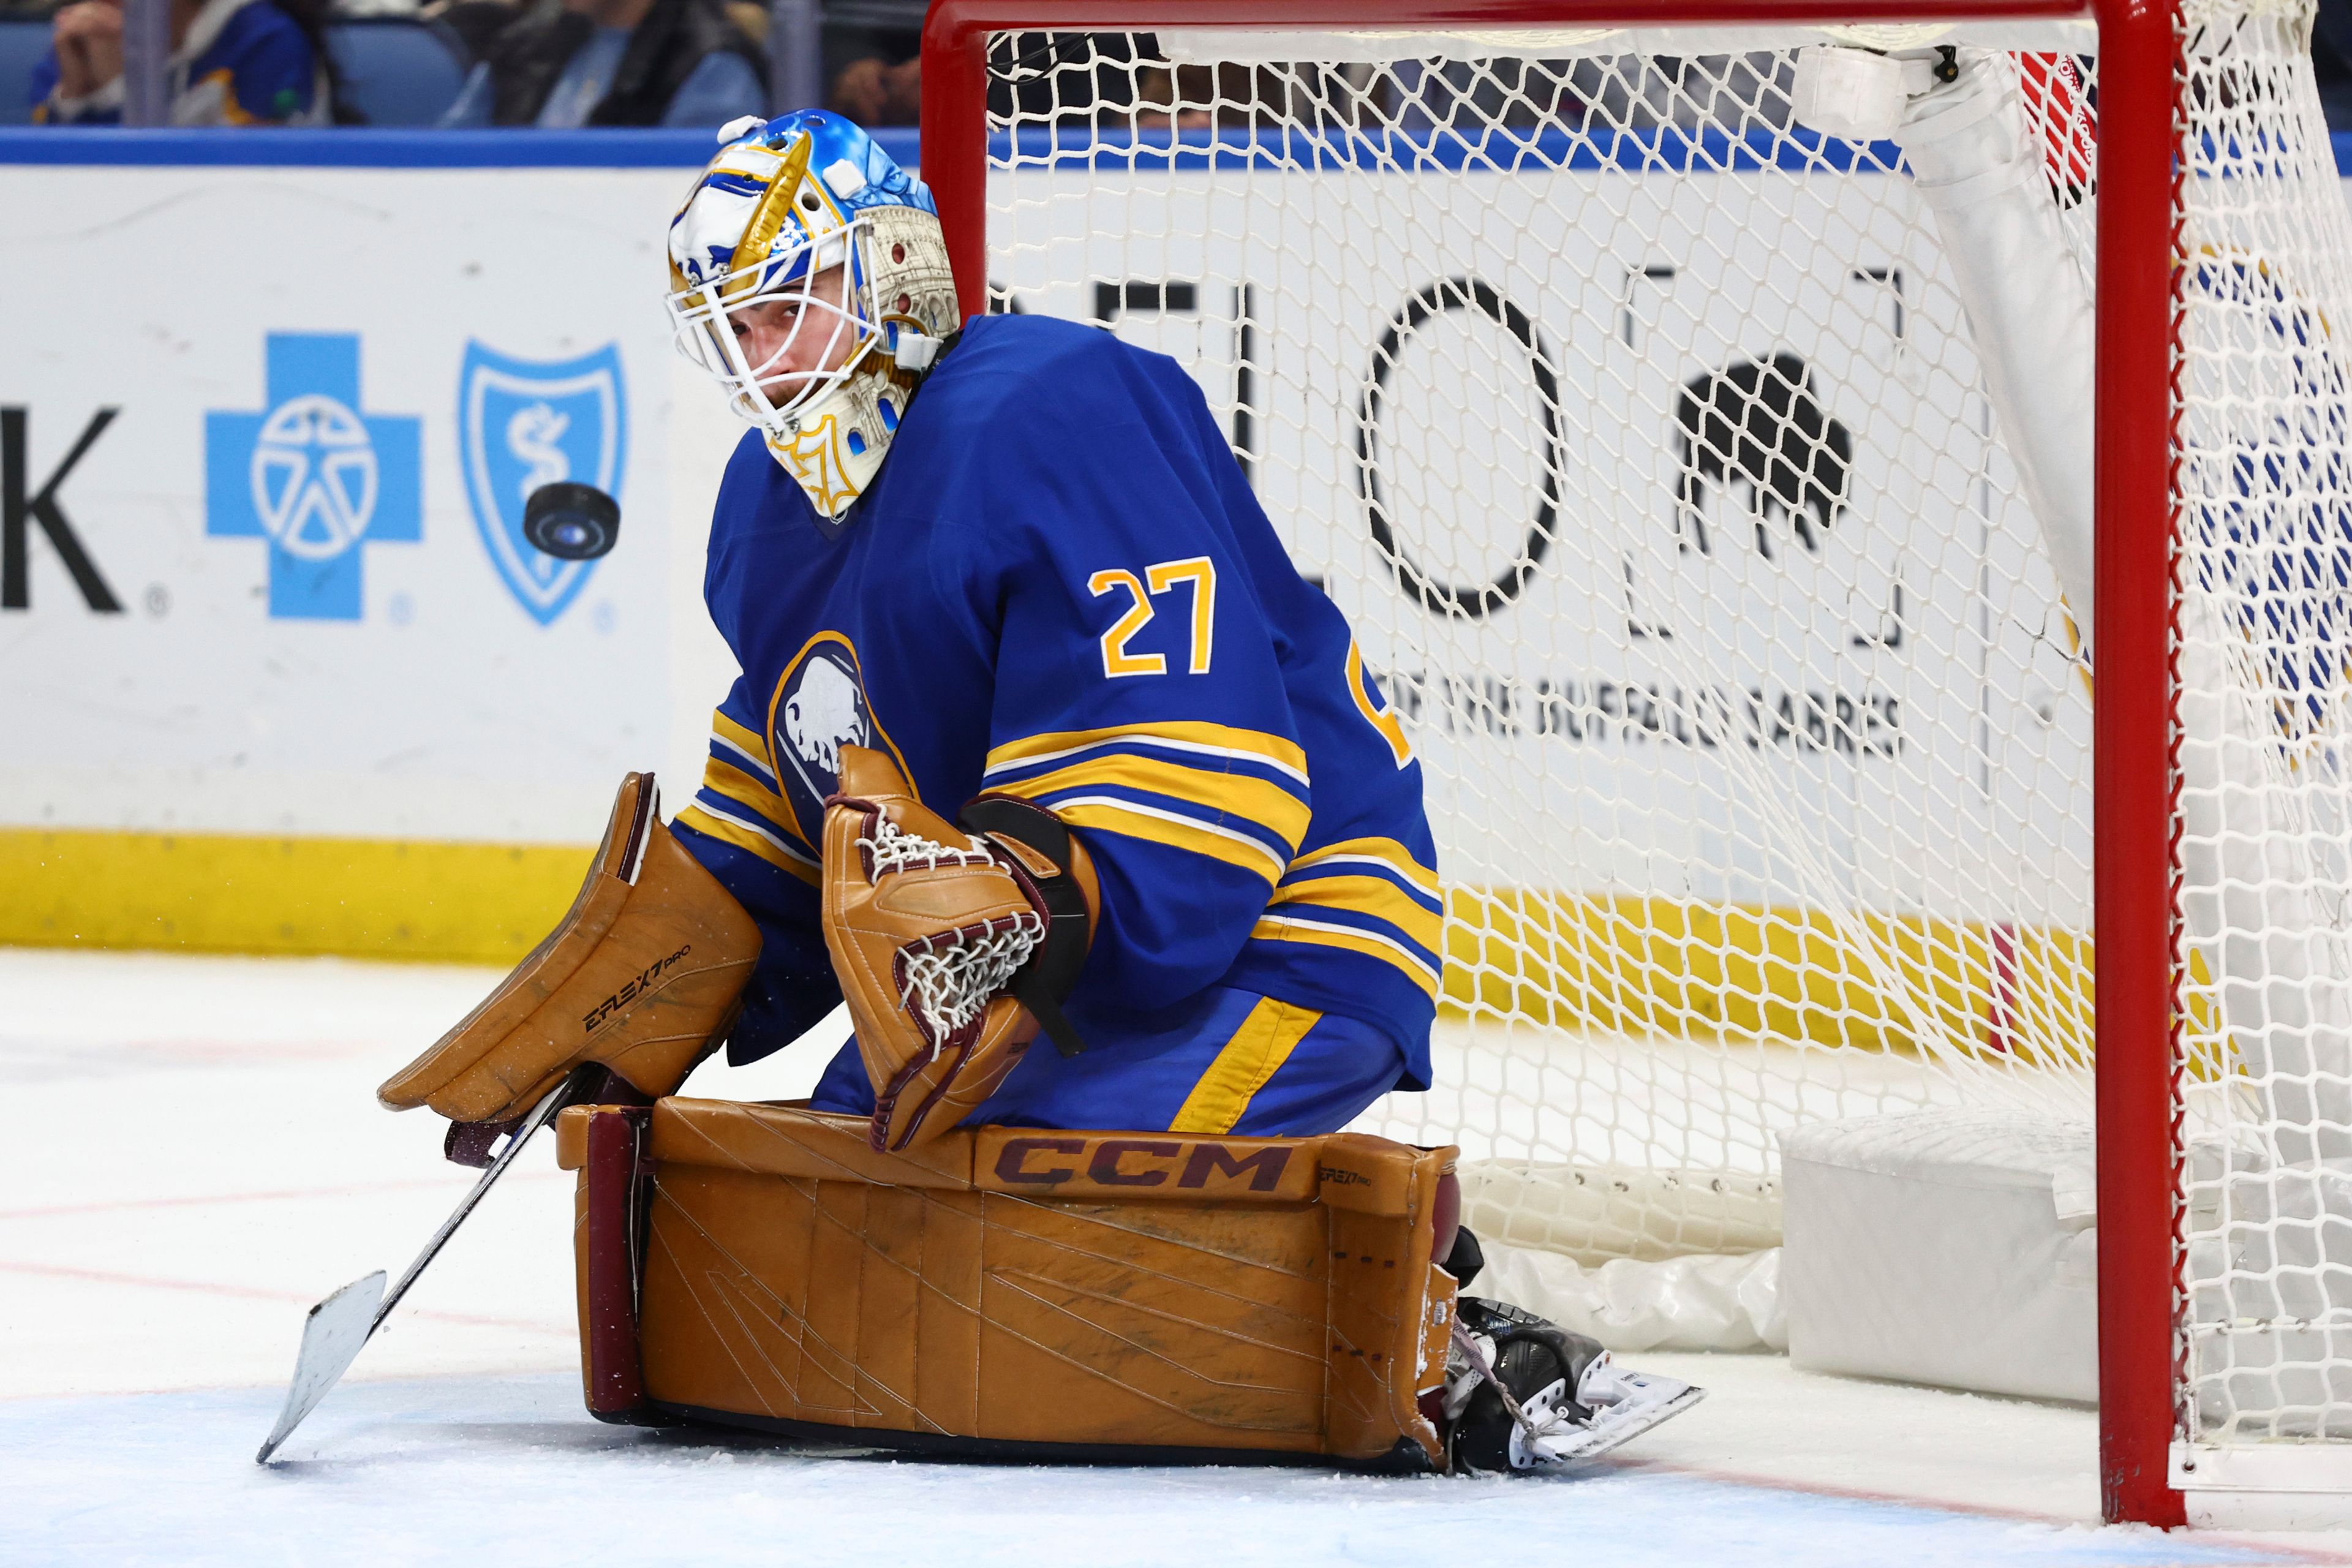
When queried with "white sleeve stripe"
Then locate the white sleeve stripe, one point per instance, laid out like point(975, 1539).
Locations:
point(1123, 742)
point(734, 815)
point(1396, 874)
point(1116, 804)
point(1270, 918)
point(744, 759)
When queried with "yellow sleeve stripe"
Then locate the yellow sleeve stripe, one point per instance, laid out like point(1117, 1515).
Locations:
point(721, 747)
point(751, 794)
point(738, 737)
point(1384, 852)
point(1291, 928)
point(1374, 896)
point(751, 838)
point(1256, 800)
point(1135, 820)
point(1254, 1055)
point(1205, 740)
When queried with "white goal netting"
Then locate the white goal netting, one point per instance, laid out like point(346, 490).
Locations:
point(2265, 292)
point(1641, 435)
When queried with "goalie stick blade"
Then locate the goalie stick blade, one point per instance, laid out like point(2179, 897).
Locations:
point(342, 1323)
point(331, 1338)
point(1643, 1401)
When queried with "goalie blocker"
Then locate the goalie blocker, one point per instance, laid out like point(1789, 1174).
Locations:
point(644, 976)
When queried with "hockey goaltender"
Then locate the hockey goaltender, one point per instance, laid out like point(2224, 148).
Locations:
point(1038, 731)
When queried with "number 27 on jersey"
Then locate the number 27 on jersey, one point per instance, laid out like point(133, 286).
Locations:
point(1197, 573)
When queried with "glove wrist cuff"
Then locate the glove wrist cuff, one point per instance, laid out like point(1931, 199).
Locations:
point(1054, 869)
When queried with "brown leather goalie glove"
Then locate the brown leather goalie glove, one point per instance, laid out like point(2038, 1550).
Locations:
point(952, 943)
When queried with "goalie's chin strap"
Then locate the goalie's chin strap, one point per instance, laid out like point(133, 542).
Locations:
point(1053, 969)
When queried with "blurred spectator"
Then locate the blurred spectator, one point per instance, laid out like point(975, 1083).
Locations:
point(559, 64)
point(477, 23)
point(233, 62)
point(873, 93)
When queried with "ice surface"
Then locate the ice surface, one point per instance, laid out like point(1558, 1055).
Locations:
point(194, 1157)
point(508, 1471)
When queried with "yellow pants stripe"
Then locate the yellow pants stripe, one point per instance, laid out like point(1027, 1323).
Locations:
point(1254, 1053)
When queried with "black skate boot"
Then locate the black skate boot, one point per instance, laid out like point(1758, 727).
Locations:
point(1524, 1394)
point(1523, 1387)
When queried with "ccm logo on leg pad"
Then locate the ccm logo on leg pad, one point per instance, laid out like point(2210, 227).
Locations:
point(1071, 1166)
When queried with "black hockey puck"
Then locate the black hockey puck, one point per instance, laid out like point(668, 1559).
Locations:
point(572, 521)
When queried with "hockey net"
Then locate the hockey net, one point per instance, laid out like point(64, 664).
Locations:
point(1640, 435)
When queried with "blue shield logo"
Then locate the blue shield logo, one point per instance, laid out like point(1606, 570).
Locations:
point(522, 424)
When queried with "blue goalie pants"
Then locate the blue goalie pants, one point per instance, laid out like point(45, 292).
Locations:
point(1223, 1061)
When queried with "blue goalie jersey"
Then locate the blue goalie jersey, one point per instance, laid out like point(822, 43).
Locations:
point(1061, 587)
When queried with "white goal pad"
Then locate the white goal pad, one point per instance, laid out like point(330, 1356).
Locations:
point(1956, 1248)
point(1705, 1301)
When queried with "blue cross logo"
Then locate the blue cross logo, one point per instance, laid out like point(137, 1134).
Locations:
point(314, 476)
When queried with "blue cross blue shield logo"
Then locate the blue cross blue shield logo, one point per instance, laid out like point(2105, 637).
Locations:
point(522, 424)
point(314, 476)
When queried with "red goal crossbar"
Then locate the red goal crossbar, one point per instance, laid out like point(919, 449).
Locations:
point(2136, 902)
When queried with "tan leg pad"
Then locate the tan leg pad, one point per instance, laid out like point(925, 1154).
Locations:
point(641, 975)
point(1082, 1290)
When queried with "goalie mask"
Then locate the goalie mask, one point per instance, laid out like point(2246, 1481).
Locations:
point(808, 275)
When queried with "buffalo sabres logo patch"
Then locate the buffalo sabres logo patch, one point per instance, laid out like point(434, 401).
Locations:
point(818, 707)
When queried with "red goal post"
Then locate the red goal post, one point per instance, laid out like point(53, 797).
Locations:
point(2136, 903)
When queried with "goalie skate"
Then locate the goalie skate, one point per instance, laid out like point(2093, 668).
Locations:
point(1507, 1403)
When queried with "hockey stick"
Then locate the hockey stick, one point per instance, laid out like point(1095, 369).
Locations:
point(339, 1327)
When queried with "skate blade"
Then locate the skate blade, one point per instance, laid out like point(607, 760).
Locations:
point(331, 1338)
point(1648, 1401)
